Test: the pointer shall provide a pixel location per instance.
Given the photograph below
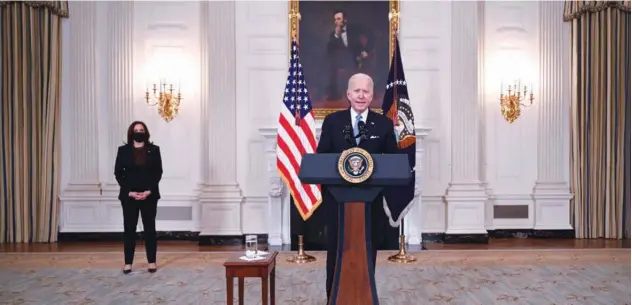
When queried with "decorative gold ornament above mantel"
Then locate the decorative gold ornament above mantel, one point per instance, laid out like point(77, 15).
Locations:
point(165, 98)
point(512, 99)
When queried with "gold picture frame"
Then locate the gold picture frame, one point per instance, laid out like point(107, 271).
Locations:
point(294, 32)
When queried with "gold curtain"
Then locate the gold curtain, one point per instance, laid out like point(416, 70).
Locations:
point(600, 116)
point(30, 90)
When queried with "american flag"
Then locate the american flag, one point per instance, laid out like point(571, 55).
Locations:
point(297, 136)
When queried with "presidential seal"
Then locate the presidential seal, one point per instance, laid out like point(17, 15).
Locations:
point(355, 165)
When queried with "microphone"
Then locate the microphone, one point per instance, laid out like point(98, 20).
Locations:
point(362, 131)
point(347, 133)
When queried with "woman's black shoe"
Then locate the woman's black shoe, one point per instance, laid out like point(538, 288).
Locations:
point(127, 271)
point(152, 270)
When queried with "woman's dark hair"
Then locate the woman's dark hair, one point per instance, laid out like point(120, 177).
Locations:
point(130, 132)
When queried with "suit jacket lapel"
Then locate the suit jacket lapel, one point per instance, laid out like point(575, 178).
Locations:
point(370, 117)
point(348, 119)
point(349, 122)
point(368, 125)
point(129, 151)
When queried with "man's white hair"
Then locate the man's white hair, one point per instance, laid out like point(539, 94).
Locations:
point(359, 76)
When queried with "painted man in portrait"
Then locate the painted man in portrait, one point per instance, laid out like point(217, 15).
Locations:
point(350, 50)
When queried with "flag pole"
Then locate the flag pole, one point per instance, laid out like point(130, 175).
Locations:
point(402, 257)
point(395, 97)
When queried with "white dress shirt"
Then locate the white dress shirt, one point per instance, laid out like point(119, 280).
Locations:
point(354, 114)
point(344, 38)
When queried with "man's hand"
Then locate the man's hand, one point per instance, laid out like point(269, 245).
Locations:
point(133, 194)
point(364, 54)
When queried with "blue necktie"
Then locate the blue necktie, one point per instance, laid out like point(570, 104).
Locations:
point(355, 128)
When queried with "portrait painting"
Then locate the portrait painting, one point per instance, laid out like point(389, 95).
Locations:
point(338, 39)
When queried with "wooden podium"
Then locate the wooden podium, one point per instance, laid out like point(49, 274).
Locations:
point(354, 281)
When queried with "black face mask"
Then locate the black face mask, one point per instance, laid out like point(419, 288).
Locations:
point(139, 136)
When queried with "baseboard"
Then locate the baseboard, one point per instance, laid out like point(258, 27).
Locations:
point(320, 244)
point(237, 240)
point(118, 236)
point(229, 240)
point(442, 238)
point(432, 238)
point(208, 240)
point(530, 233)
point(466, 239)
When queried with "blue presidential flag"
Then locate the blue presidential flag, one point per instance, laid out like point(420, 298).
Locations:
point(396, 106)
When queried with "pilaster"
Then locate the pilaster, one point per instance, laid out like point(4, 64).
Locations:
point(466, 195)
point(119, 80)
point(278, 209)
point(413, 220)
point(551, 192)
point(84, 150)
point(219, 191)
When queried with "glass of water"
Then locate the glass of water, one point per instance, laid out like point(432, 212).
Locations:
point(251, 246)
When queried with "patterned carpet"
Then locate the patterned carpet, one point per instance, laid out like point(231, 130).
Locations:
point(600, 276)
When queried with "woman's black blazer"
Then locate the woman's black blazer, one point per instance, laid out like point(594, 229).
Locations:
point(127, 177)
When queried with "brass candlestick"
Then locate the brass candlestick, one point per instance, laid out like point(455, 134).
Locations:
point(301, 257)
point(401, 256)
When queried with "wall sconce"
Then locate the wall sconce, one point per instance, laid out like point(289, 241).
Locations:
point(163, 96)
point(511, 103)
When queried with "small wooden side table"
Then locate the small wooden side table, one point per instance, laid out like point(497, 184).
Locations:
point(240, 269)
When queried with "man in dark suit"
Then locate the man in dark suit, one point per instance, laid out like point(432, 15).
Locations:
point(349, 50)
point(381, 139)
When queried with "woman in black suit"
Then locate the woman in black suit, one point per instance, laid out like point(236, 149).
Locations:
point(138, 170)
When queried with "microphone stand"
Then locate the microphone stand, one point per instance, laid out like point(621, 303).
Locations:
point(362, 131)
